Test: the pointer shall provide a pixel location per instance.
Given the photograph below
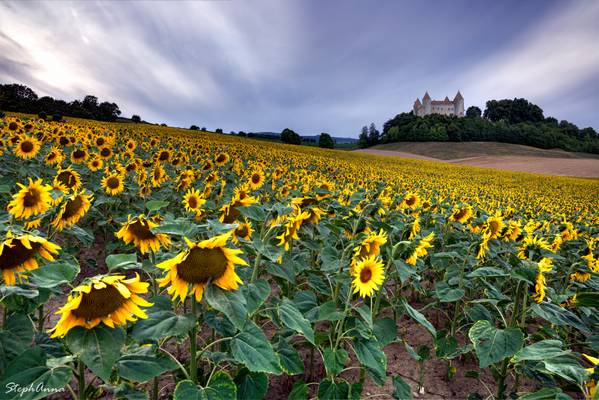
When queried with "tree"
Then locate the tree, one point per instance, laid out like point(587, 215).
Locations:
point(363, 138)
point(218, 130)
point(473, 111)
point(290, 137)
point(242, 134)
point(326, 141)
point(194, 128)
point(373, 135)
point(135, 118)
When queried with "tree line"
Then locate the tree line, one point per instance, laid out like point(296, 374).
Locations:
point(515, 121)
point(20, 98)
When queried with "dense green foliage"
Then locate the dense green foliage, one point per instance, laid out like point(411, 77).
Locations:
point(326, 141)
point(20, 98)
point(290, 137)
point(510, 121)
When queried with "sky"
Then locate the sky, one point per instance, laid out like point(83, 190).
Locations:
point(309, 65)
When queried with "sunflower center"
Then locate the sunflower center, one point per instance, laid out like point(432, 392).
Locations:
point(193, 202)
point(26, 146)
point(141, 231)
point(255, 179)
point(202, 264)
point(365, 275)
point(72, 207)
point(79, 154)
point(494, 225)
point(410, 201)
point(242, 231)
point(164, 156)
point(67, 179)
point(459, 214)
point(32, 198)
point(113, 182)
point(105, 152)
point(16, 255)
point(99, 303)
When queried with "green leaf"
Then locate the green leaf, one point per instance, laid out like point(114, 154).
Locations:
point(155, 205)
point(401, 389)
point(6, 291)
point(251, 385)
point(15, 337)
point(559, 316)
point(372, 357)
point(253, 212)
point(99, 348)
point(293, 319)
point(334, 360)
point(487, 272)
point(328, 312)
point(544, 349)
point(125, 391)
point(545, 394)
point(355, 391)
point(331, 390)
point(29, 369)
point(299, 391)
point(122, 261)
point(256, 294)
point(252, 348)
point(587, 299)
point(162, 322)
point(447, 294)
point(421, 319)
point(142, 368)
point(229, 302)
point(385, 330)
point(290, 360)
point(366, 315)
point(566, 366)
point(187, 390)
point(54, 274)
point(493, 345)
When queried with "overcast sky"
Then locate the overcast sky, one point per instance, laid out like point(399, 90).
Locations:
point(310, 65)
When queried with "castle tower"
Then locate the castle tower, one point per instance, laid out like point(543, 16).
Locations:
point(426, 102)
point(458, 103)
point(417, 107)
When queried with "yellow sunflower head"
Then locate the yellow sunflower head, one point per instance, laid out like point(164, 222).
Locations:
point(95, 164)
point(461, 214)
point(244, 231)
point(368, 275)
point(79, 155)
point(113, 183)
point(110, 299)
point(71, 211)
point(257, 179)
point(18, 254)
point(193, 201)
point(222, 159)
point(371, 245)
point(138, 231)
point(31, 200)
point(54, 156)
point(27, 147)
point(67, 179)
point(203, 262)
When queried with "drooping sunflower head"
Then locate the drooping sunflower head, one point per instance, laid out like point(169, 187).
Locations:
point(110, 299)
point(67, 179)
point(203, 262)
point(371, 245)
point(421, 249)
point(411, 201)
point(71, 211)
point(19, 254)
point(138, 230)
point(31, 200)
point(113, 183)
point(531, 247)
point(27, 147)
point(461, 214)
point(368, 275)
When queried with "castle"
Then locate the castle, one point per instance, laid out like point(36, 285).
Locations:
point(444, 107)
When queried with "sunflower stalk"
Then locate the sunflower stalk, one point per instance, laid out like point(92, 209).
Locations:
point(81, 379)
point(193, 333)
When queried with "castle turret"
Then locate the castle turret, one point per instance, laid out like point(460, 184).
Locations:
point(426, 102)
point(458, 104)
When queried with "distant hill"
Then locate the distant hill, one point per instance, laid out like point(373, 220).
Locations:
point(310, 138)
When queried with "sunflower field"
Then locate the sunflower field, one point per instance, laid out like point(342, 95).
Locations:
point(146, 262)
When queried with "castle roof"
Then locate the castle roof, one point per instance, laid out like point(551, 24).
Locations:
point(446, 98)
point(426, 96)
point(458, 96)
point(442, 102)
point(417, 102)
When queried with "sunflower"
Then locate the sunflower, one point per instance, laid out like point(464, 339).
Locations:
point(580, 276)
point(229, 212)
point(371, 245)
point(67, 179)
point(27, 147)
point(591, 385)
point(110, 299)
point(95, 164)
point(543, 266)
point(79, 156)
point(208, 260)
point(411, 201)
point(138, 231)
point(292, 226)
point(193, 201)
point(512, 232)
point(18, 254)
point(244, 231)
point(494, 226)
point(159, 175)
point(421, 249)
point(71, 211)
point(113, 183)
point(31, 200)
point(105, 153)
point(222, 159)
point(257, 179)
point(131, 145)
point(368, 276)
point(54, 156)
point(461, 214)
point(531, 247)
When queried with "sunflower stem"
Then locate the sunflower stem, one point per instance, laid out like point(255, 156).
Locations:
point(81, 380)
point(256, 266)
point(155, 389)
point(40, 318)
point(193, 366)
